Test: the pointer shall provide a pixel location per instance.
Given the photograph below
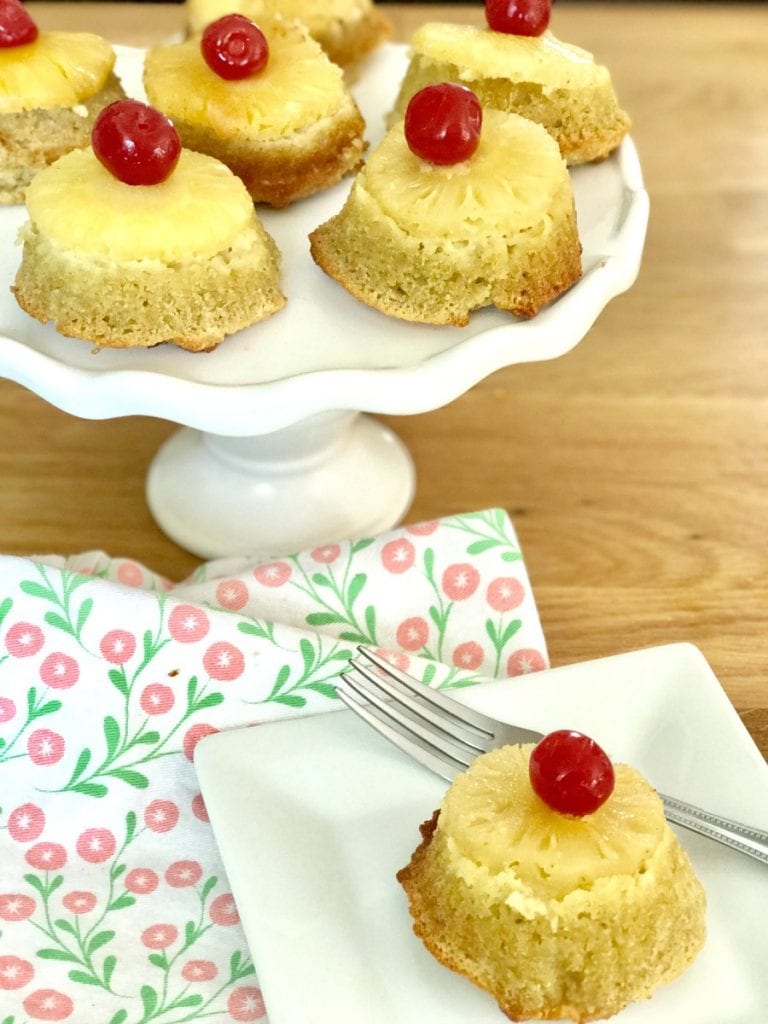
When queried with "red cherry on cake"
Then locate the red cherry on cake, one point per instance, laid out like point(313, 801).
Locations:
point(234, 47)
point(16, 26)
point(135, 142)
point(443, 122)
point(571, 773)
point(518, 17)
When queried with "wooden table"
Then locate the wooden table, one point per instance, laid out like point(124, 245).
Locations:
point(636, 467)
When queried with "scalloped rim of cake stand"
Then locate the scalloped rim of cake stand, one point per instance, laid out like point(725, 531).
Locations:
point(245, 409)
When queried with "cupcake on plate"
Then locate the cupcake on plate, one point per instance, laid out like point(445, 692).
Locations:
point(265, 100)
point(550, 878)
point(347, 30)
point(52, 86)
point(558, 85)
point(458, 208)
point(135, 241)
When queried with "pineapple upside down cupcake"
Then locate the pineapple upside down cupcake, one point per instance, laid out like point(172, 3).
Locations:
point(52, 86)
point(517, 66)
point(137, 241)
point(457, 208)
point(346, 29)
point(269, 104)
point(550, 878)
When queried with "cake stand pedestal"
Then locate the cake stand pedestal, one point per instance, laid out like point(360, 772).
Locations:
point(276, 455)
point(332, 476)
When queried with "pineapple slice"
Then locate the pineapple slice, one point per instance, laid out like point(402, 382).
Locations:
point(299, 86)
point(543, 59)
point(506, 187)
point(315, 14)
point(59, 69)
point(495, 823)
point(199, 210)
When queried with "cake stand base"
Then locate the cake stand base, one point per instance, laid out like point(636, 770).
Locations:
point(330, 477)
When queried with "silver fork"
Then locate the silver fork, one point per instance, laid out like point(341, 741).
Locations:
point(444, 736)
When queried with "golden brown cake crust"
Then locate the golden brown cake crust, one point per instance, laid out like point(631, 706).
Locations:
point(437, 907)
point(408, 278)
point(278, 172)
point(141, 303)
point(587, 124)
point(31, 140)
point(347, 42)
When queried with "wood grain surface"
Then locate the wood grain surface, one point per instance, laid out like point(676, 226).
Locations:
point(636, 467)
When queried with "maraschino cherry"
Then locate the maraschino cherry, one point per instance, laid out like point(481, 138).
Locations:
point(571, 773)
point(16, 26)
point(518, 17)
point(443, 122)
point(234, 47)
point(135, 142)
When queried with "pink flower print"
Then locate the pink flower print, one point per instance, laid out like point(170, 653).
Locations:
point(7, 710)
point(412, 633)
point(130, 574)
point(182, 873)
point(326, 554)
point(157, 699)
point(396, 658)
point(46, 856)
point(199, 970)
point(505, 593)
point(193, 736)
point(59, 671)
point(199, 809)
point(159, 936)
point(26, 823)
point(16, 907)
point(141, 881)
point(78, 902)
point(161, 815)
point(48, 1004)
point(526, 660)
point(223, 910)
point(118, 646)
point(15, 973)
point(187, 623)
point(398, 555)
point(460, 581)
point(224, 661)
point(23, 640)
point(468, 655)
point(96, 845)
point(273, 575)
point(246, 1004)
point(45, 746)
point(423, 529)
point(232, 594)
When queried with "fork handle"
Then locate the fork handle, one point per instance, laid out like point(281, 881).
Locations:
point(750, 841)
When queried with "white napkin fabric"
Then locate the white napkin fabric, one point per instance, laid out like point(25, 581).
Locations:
point(114, 905)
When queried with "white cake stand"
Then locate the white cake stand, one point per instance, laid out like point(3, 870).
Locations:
point(275, 454)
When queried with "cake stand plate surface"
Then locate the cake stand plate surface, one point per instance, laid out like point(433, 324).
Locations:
point(278, 400)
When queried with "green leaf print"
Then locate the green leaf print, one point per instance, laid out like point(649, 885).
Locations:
point(492, 530)
point(320, 666)
point(68, 616)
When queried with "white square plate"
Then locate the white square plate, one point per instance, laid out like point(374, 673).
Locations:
point(314, 816)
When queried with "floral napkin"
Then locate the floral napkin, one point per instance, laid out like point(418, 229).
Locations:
point(114, 905)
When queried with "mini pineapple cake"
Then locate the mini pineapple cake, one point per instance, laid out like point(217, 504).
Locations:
point(457, 208)
point(346, 29)
point(136, 241)
point(530, 73)
point(269, 104)
point(52, 86)
point(550, 878)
